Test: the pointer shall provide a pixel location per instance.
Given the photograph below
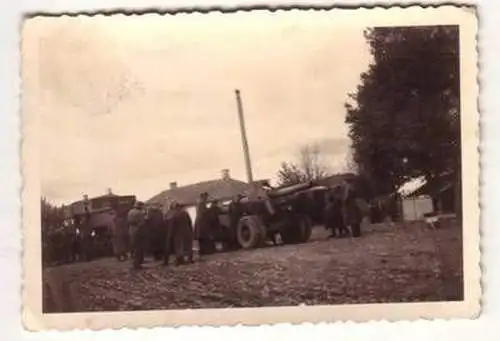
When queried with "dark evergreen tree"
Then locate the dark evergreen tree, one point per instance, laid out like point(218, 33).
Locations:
point(404, 116)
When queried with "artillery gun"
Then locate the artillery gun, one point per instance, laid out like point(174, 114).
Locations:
point(281, 211)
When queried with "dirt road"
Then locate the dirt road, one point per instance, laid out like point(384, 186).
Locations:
point(387, 264)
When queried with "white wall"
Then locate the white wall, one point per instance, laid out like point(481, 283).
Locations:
point(415, 208)
point(191, 210)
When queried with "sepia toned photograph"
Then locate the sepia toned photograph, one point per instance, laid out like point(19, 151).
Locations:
point(250, 167)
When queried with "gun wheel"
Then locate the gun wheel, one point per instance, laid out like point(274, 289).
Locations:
point(305, 230)
point(250, 232)
point(300, 232)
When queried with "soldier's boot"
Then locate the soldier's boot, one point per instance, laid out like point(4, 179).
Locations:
point(138, 259)
point(158, 256)
point(202, 247)
point(166, 256)
point(190, 258)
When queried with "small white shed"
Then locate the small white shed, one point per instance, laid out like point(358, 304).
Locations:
point(415, 207)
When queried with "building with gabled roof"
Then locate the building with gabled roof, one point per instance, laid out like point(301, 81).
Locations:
point(222, 189)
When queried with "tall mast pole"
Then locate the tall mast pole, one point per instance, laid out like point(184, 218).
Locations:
point(244, 140)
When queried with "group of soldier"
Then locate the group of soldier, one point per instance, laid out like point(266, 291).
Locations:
point(169, 233)
point(163, 234)
point(345, 211)
point(136, 233)
point(71, 243)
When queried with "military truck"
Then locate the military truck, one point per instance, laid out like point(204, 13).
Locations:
point(97, 212)
point(283, 211)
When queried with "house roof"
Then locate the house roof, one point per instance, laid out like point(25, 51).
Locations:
point(427, 190)
point(432, 188)
point(440, 184)
point(219, 189)
point(411, 186)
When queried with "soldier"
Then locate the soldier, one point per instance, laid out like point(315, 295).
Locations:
point(137, 228)
point(169, 246)
point(76, 244)
point(213, 226)
point(64, 244)
point(333, 215)
point(95, 241)
point(86, 238)
point(201, 227)
point(351, 211)
point(180, 235)
point(235, 213)
point(119, 232)
point(185, 225)
point(157, 232)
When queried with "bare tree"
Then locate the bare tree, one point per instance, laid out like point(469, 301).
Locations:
point(308, 166)
point(52, 215)
point(350, 163)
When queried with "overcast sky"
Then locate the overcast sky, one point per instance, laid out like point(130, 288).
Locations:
point(134, 103)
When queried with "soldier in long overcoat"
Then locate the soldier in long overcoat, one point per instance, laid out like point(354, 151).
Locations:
point(157, 232)
point(138, 235)
point(76, 244)
point(202, 227)
point(185, 225)
point(351, 211)
point(214, 225)
point(235, 213)
point(208, 231)
point(119, 237)
point(334, 220)
point(169, 246)
point(86, 242)
point(179, 234)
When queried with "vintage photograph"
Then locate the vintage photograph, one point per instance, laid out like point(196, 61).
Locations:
point(292, 159)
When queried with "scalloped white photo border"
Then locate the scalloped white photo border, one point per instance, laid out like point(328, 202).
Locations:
point(466, 18)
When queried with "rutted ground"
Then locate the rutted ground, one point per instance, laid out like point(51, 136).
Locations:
point(387, 264)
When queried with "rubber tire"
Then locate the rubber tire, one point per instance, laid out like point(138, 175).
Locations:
point(287, 237)
point(300, 234)
point(256, 228)
point(290, 235)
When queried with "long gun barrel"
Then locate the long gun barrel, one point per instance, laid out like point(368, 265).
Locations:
point(288, 190)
